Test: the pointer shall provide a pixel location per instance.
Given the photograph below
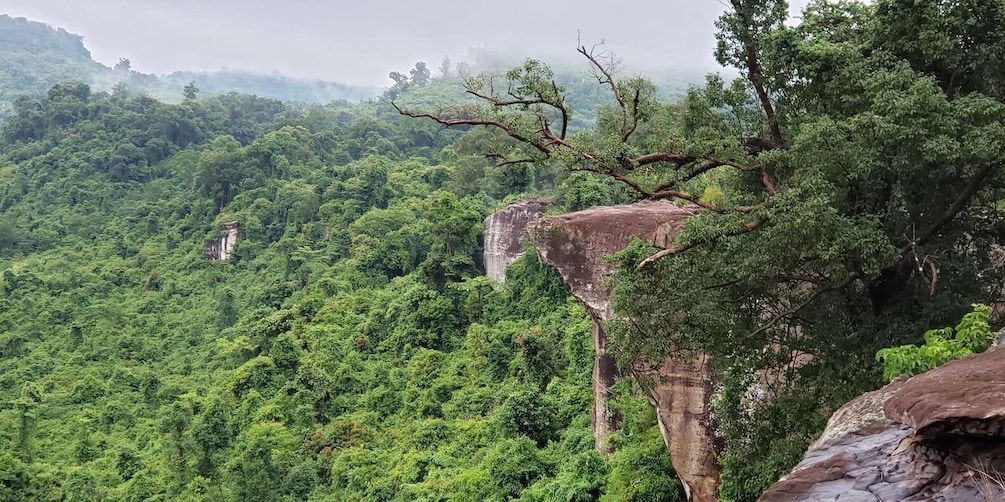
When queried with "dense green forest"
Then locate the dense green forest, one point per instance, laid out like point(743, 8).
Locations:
point(34, 57)
point(849, 187)
point(849, 192)
point(350, 349)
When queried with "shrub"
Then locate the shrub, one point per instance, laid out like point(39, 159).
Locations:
point(971, 336)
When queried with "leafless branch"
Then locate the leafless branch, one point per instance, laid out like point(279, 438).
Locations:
point(541, 147)
point(605, 76)
point(801, 305)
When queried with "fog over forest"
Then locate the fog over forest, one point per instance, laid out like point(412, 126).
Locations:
point(359, 42)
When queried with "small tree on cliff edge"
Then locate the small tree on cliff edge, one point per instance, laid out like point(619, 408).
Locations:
point(860, 160)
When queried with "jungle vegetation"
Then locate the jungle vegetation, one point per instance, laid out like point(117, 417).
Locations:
point(350, 349)
point(849, 185)
point(849, 182)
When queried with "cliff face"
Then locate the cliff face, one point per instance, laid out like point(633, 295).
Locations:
point(505, 231)
point(221, 247)
point(937, 436)
point(577, 245)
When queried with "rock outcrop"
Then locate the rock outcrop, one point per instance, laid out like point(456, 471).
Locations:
point(505, 231)
point(577, 244)
point(937, 436)
point(221, 247)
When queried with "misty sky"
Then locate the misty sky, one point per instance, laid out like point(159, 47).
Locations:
point(359, 42)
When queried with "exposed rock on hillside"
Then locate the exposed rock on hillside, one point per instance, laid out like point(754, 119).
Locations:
point(577, 244)
point(221, 247)
point(505, 231)
point(937, 436)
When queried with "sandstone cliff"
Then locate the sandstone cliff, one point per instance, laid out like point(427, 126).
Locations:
point(937, 436)
point(577, 244)
point(221, 247)
point(505, 231)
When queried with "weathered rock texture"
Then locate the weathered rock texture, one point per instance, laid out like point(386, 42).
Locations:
point(221, 247)
point(937, 436)
point(577, 244)
point(505, 231)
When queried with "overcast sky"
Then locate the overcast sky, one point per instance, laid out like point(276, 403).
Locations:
point(359, 42)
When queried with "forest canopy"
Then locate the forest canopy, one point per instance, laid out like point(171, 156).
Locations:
point(350, 347)
point(849, 187)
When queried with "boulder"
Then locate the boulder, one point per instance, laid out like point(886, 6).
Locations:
point(578, 245)
point(936, 436)
point(961, 397)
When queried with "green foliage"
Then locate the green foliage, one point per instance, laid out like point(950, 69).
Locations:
point(36, 57)
point(767, 432)
point(349, 349)
point(847, 192)
point(972, 335)
point(640, 468)
point(881, 183)
point(513, 464)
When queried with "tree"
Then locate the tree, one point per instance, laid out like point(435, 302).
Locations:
point(419, 75)
point(860, 174)
point(217, 171)
point(123, 66)
point(212, 432)
point(27, 412)
point(263, 454)
point(453, 238)
point(191, 92)
point(400, 84)
point(399, 78)
point(445, 67)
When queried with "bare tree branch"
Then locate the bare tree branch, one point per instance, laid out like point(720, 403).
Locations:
point(956, 207)
point(606, 76)
point(801, 305)
point(467, 121)
point(522, 101)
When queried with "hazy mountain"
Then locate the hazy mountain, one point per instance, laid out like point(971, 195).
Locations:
point(35, 56)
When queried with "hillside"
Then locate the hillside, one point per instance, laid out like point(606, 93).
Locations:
point(349, 349)
point(773, 244)
point(35, 56)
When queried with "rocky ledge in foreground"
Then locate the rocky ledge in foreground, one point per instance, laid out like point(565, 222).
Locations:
point(939, 436)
